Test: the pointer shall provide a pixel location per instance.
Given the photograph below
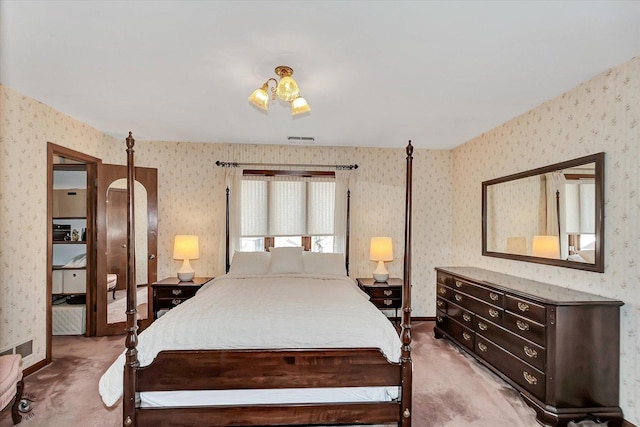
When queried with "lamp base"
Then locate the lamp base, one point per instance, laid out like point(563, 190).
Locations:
point(380, 274)
point(186, 273)
point(380, 277)
point(186, 277)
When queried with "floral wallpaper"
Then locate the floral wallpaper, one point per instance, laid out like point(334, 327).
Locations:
point(601, 115)
point(191, 200)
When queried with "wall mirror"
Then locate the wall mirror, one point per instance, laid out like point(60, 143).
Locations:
point(550, 215)
point(117, 248)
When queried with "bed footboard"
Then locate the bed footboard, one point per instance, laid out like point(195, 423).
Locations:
point(270, 369)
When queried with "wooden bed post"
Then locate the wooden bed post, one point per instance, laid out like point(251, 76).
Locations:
point(405, 335)
point(131, 342)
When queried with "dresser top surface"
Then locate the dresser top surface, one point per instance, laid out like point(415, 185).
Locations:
point(544, 292)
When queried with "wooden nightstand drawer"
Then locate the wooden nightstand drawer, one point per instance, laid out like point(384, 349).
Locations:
point(167, 303)
point(171, 292)
point(386, 302)
point(184, 292)
point(384, 295)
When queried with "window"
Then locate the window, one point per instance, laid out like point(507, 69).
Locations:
point(287, 210)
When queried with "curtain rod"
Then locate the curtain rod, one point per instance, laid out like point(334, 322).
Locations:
point(237, 164)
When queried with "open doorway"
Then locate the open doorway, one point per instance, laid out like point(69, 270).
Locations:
point(71, 248)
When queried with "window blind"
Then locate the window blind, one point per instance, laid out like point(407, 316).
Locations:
point(287, 206)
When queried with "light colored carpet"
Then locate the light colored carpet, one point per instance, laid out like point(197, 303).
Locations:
point(450, 388)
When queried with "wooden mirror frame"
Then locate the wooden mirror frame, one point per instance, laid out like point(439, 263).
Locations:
point(598, 265)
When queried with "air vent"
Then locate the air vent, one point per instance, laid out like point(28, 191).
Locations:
point(307, 140)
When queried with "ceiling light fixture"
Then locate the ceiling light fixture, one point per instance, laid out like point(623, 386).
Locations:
point(287, 90)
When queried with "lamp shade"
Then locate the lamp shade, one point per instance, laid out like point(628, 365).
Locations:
point(287, 89)
point(186, 247)
point(546, 247)
point(260, 97)
point(299, 106)
point(381, 249)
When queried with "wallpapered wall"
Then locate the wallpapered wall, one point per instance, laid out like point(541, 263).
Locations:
point(191, 200)
point(601, 115)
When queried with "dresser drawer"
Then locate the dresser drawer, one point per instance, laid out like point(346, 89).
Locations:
point(460, 333)
point(441, 304)
point(489, 295)
point(524, 327)
point(525, 375)
point(526, 308)
point(443, 278)
point(525, 350)
point(387, 302)
point(458, 313)
point(183, 292)
point(481, 308)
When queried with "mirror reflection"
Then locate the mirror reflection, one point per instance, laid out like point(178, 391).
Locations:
point(550, 215)
point(116, 218)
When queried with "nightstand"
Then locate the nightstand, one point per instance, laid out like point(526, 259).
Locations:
point(169, 292)
point(384, 295)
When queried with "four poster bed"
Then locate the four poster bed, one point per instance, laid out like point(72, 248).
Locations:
point(258, 348)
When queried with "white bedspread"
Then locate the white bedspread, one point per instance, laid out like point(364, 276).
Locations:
point(263, 312)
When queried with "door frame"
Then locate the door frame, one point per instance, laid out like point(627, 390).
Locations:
point(107, 174)
point(91, 163)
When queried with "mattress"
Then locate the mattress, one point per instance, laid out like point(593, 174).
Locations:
point(264, 312)
point(68, 319)
point(193, 398)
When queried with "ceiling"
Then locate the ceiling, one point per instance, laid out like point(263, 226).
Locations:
point(375, 73)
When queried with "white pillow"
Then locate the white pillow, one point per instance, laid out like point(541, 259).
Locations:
point(286, 260)
point(250, 263)
point(324, 263)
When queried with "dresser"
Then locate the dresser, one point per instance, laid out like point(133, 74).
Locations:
point(559, 348)
point(169, 292)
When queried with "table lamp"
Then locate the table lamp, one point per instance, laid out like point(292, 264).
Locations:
point(546, 247)
point(381, 250)
point(186, 248)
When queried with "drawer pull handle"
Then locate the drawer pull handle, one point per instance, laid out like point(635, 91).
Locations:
point(458, 284)
point(482, 326)
point(442, 291)
point(530, 352)
point(458, 297)
point(494, 296)
point(387, 292)
point(523, 307)
point(440, 303)
point(439, 319)
point(493, 313)
point(529, 378)
point(482, 347)
point(176, 301)
point(466, 336)
point(388, 302)
point(523, 326)
point(466, 317)
point(176, 291)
